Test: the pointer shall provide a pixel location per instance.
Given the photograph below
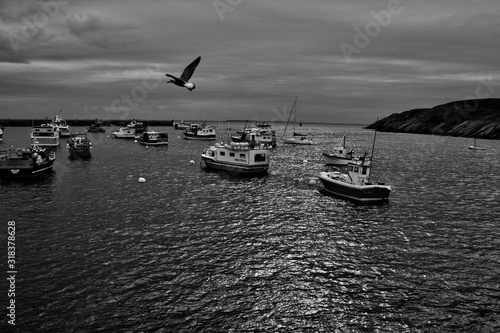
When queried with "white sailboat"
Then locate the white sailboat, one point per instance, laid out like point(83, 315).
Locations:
point(474, 147)
point(297, 138)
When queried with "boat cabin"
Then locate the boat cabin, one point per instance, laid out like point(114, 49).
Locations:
point(359, 171)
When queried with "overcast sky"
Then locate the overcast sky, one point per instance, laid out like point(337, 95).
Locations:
point(348, 61)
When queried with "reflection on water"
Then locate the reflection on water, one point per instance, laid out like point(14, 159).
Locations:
point(194, 250)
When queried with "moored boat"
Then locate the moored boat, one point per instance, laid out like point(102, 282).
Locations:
point(340, 154)
point(79, 145)
point(133, 129)
point(356, 184)
point(238, 157)
point(61, 125)
point(182, 125)
point(25, 162)
point(199, 132)
point(256, 134)
point(1, 132)
point(153, 138)
point(96, 127)
point(474, 147)
point(297, 138)
point(46, 135)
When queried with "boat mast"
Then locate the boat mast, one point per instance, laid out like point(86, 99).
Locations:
point(373, 151)
point(291, 111)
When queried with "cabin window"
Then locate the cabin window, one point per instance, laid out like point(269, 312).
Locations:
point(231, 154)
point(222, 153)
point(356, 169)
point(260, 157)
point(365, 169)
point(350, 167)
point(243, 156)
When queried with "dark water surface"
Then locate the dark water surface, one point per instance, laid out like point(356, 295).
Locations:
point(193, 250)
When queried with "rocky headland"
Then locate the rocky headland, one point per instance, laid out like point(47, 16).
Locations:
point(478, 118)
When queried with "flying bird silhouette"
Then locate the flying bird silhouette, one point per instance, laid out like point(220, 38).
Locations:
point(186, 75)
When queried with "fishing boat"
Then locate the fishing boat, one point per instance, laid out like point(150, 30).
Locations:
point(79, 145)
point(340, 154)
point(199, 132)
point(238, 157)
point(133, 129)
point(296, 138)
point(474, 147)
point(25, 162)
point(256, 134)
point(61, 125)
point(182, 125)
point(153, 138)
point(46, 135)
point(96, 127)
point(356, 184)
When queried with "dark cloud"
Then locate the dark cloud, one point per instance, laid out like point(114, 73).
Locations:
point(256, 57)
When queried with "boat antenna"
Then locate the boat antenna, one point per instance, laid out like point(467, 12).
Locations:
point(291, 111)
point(373, 150)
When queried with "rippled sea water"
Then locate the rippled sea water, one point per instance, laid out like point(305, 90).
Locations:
point(192, 250)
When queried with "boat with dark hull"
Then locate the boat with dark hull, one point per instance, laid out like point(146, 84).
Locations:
point(25, 162)
point(79, 146)
point(199, 132)
point(153, 138)
point(96, 127)
point(238, 158)
point(356, 184)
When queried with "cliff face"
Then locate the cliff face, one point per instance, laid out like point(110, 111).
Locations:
point(469, 118)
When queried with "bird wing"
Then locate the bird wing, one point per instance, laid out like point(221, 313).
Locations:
point(189, 70)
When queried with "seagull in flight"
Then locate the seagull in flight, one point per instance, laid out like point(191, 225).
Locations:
point(186, 75)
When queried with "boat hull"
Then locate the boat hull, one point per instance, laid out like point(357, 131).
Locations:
point(96, 130)
point(13, 169)
point(158, 143)
point(47, 141)
point(298, 141)
point(119, 135)
point(64, 133)
point(79, 153)
point(358, 193)
point(335, 160)
point(234, 168)
point(191, 136)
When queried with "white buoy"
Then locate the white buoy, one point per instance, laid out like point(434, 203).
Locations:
point(135, 140)
point(305, 161)
point(312, 182)
point(191, 162)
point(142, 180)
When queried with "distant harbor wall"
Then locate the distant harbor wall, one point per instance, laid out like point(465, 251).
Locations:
point(81, 122)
